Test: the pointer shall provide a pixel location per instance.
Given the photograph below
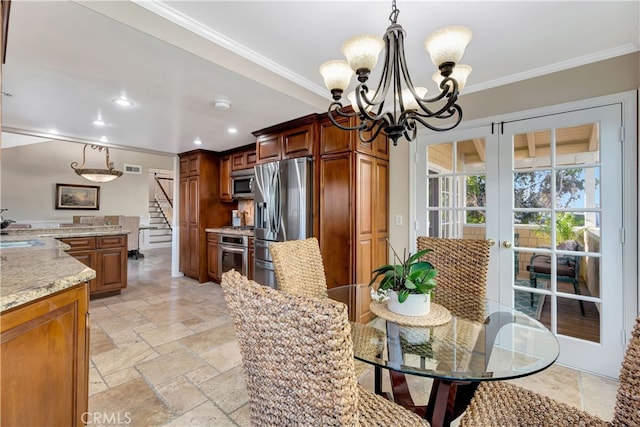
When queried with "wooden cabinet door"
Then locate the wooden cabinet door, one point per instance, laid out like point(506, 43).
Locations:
point(193, 201)
point(250, 259)
point(45, 361)
point(336, 218)
point(334, 140)
point(112, 265)
point(297, 142)
point(88, 258)
point(250, 159)
point(268, 148)
point(225, 177)
point(381, 213)
point(193, 269)
point(183, 223)
point(365, 199)
point(212, 256)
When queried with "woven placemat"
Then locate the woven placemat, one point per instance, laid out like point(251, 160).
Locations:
point(438, 315)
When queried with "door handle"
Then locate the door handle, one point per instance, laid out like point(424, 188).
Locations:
point(506, 244)
point(491, 242)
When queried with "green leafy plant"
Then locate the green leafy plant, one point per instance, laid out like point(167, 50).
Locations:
point(568, 227)
point(409, 275)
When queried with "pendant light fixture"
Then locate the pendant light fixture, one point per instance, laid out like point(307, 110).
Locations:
point(96, 175)
point(396, 107)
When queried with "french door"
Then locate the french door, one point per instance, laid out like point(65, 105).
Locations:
point(548, 192)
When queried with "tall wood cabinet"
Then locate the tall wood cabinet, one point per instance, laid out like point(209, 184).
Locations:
point(354, 206)
point(200, 207)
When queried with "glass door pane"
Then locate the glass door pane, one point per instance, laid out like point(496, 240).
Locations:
point(455, 190)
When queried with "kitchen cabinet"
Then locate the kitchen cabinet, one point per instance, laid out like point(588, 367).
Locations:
point(45, 360)
point(107, 255)
point(244, 159)
point(212, 257)
point(200, 208)
point(289, 140)
point(354, 179)
point(251, 258)
point(225, 178)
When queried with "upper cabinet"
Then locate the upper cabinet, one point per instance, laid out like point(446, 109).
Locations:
point(245, 159)
point(289, 140)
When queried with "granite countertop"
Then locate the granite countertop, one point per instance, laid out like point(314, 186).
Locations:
point(228, 230)
point(31, 272)
point(61, 232)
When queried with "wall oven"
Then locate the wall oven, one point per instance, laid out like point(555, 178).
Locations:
point(233, 253)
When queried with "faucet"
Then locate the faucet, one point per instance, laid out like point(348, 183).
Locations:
point(5, 222)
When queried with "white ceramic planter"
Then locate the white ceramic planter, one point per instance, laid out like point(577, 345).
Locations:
point(414, 305)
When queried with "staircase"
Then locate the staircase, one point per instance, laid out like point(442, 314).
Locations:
point(160, 238)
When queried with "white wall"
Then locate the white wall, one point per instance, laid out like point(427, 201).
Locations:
point(29, 173)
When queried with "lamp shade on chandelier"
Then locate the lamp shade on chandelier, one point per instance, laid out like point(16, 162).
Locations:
point(96, 175)
point(396, 107)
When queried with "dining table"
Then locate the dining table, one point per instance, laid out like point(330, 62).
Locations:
point(458, 351)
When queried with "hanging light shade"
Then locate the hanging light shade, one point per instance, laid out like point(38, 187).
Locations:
point(96, 175)
point(407, 106)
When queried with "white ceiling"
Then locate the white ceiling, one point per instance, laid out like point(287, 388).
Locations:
point(68, 60)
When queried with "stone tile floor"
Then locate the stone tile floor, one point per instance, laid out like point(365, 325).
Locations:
point(163, 353)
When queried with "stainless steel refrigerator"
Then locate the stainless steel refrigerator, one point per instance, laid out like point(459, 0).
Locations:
point(283, 196)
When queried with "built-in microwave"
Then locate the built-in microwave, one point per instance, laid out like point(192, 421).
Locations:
point(242, 184)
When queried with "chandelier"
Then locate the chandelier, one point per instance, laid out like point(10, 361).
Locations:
point(96, 175)
point(407, 105)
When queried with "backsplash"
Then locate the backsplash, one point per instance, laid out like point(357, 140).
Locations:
point(246, 206)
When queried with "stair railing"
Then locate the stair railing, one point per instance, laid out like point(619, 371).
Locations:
point(163, 187)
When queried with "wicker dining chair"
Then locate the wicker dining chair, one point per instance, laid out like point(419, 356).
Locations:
point(297, 356)
point(462, 266)
point(505, 404)
point(299, 270)
point(298, 267)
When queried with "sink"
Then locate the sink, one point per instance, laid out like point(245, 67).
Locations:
point(19, 243)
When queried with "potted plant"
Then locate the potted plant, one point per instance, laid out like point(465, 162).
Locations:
point(406, 285)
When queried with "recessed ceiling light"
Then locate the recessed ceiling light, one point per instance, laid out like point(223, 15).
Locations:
point(197, 141)
point(232, 130)
point(104, 139)
point(123, 101)
point(98, 121)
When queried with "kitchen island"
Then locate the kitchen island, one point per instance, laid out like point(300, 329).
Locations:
point(101, 248)
point(44, 329)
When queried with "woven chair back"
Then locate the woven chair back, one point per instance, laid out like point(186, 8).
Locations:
point(296, 353)
point(462, 274)
point(298, 267)
point(627, 410)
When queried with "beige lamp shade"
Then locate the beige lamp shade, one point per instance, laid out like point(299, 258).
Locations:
point(362, 51)
point(448, 44)
point(409, 101)
point(460, 73)
point(337, 74)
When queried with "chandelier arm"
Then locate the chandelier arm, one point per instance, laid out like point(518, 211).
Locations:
point(457, 109)
point(74, 165)
point(338, 110)
point(374, 130)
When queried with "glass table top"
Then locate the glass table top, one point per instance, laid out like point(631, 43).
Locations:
point(507, 344)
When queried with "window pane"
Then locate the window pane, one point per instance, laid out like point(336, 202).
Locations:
point(578, 145)
point(532, 150)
